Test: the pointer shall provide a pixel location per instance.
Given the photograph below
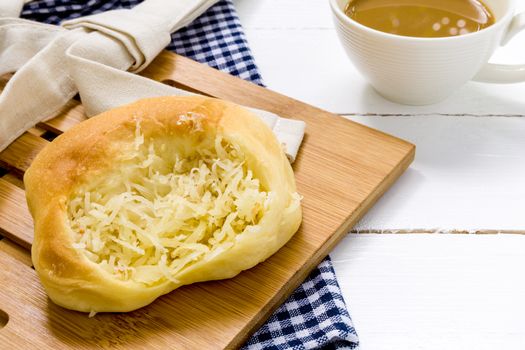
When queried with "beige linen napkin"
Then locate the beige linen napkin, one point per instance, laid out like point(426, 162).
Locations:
point(91, 55)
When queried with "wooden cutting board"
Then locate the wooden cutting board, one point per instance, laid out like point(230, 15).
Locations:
point(341, 170)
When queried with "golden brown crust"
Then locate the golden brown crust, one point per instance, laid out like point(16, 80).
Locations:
point(89, 149)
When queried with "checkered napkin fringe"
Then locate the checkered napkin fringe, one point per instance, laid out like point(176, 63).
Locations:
point(315, 316)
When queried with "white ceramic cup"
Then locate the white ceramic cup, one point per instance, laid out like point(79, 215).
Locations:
point(420, 71)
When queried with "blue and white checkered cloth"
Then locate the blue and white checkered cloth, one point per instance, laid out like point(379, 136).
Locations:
point(315, 316)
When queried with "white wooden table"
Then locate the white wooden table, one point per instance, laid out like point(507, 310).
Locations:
point(439, 262)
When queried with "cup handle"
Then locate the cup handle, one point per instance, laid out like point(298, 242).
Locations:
point(505, 73)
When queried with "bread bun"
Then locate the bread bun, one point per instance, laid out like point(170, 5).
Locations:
point(164, 192)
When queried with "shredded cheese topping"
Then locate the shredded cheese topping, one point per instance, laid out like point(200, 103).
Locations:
point(160, 212)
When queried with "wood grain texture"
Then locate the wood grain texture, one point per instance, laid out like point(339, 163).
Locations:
point(15, 251)
point(37, 131)
point(15, 180)
point(341, 170)
point(19, 154)
point(15, 221)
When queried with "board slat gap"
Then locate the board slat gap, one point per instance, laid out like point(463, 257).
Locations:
point(15, 221)
point(19, 154)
